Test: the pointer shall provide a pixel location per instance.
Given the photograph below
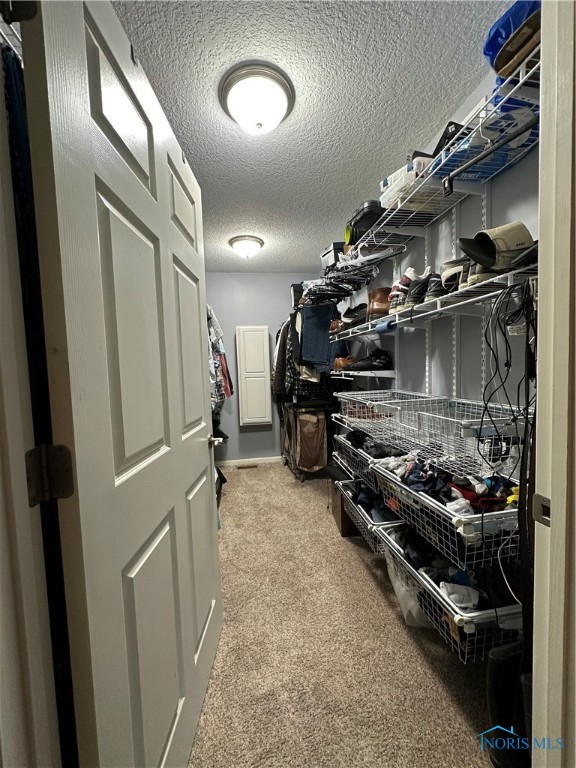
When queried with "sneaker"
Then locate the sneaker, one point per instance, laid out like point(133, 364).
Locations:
point(435, 288)
point(417, 291)
point(496, 249)
point(451, 272)
point(378, 360)
point(400, 289)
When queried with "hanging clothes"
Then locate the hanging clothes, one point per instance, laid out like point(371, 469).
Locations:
point(220, 381)
point(280, 359)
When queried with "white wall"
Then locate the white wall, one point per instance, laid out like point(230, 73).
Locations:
point(240, 298)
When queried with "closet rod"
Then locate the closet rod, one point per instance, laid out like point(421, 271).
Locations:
point(447, 181)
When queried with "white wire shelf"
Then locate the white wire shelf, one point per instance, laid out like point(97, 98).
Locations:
point(357, 330)
point(469, 540)
point(468, 301)
point(365, 374)
point(472, 635)
point(10, 35)
point(463, 165)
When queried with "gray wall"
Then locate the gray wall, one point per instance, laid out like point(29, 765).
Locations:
point(249, 299)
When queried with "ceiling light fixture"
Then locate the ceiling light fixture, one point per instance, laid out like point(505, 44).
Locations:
point(257, 96)
point(246, 245)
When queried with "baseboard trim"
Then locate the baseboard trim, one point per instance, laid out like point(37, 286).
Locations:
point(247, 462)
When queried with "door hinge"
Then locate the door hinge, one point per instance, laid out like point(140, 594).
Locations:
point(23, 10)
point(49, 473)
point(541, 509)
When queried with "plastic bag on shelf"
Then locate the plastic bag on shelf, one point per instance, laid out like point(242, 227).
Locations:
point(413, 614)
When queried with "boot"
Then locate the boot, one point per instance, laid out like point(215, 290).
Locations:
point(378, 303)
point(340, 363)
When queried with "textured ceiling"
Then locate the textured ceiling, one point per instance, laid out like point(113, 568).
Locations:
point(373, 80)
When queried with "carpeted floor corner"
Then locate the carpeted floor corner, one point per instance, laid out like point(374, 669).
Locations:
point(316, 666)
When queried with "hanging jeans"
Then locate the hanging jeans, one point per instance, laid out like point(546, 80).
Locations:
point(315, 348)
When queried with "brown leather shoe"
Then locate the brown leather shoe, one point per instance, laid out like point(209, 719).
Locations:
point(340, 363)
point(378, 303)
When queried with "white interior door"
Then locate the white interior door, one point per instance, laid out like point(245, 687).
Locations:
point(120, 236)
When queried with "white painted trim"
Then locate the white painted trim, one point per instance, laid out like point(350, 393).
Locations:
point(555, 547)
point(28, 725)
point(248, 462)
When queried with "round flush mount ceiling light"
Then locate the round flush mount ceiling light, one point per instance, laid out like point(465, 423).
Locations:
point(257, 96)
point(246, 245)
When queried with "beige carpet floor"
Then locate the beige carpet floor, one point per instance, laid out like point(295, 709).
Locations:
point(316, 666)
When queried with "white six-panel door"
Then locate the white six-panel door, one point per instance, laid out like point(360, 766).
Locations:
point(120, 233)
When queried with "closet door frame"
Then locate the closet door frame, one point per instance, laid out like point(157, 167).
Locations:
point(555, 544)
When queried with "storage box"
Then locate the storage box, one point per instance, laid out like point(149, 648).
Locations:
point(331, 255)
point(343, 522)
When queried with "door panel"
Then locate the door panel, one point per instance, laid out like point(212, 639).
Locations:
point(120, 232)
point(115, 110)
point(189, 316)
point(153, 634)
point(183, 207)
point(201, 536)
point(135, 340)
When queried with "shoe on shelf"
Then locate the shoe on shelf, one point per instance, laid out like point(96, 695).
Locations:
point(527, 258)
point(378, 360)
point(496, 248)
point(354, 316)
point(451, 272)
point(417, 291)
point(400, 289)
point(435, 288)
point(479, 274)
point(341, 363)
point(378, 303)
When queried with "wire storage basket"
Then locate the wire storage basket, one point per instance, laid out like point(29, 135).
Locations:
point(468, 540)
point(366, 526)
point(358, 462)
point(470, 642)
point(390, 415)
point(367, 405)
point(470, 437)
point(471, 635)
